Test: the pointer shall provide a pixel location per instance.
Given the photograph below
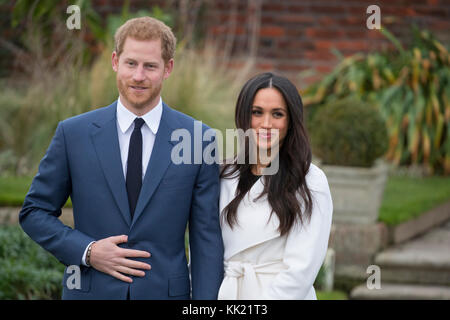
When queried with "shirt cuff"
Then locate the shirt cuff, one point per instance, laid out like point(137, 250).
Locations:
point(83, 259)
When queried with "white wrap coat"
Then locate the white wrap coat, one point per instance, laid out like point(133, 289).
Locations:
point(259, 263)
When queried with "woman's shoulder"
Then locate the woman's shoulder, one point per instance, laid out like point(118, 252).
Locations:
point(316, 179)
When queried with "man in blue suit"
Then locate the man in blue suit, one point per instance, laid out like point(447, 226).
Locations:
point(131, 203)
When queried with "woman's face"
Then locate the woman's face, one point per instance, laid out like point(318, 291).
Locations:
point(269, 111)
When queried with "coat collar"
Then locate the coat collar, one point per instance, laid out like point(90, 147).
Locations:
point(125, 117)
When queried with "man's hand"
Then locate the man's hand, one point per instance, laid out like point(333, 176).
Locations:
point(108, 257)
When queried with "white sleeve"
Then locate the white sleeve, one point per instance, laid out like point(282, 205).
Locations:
point(83, 259)
point(306, 247)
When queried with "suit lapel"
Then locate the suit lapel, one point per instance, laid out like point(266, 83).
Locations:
point(158, 163)
point(105, 140)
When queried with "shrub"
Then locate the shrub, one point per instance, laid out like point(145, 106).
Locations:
point(348, 133)
point(27, 270)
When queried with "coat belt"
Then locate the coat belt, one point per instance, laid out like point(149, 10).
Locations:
point(235, 270)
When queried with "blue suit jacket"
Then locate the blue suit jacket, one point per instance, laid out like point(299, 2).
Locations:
point(83, 162)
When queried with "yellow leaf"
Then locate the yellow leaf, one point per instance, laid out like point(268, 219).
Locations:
point(425, 71)
point(429, 113)
point(417, 54)
point(405, 121)
point(436, 108)
point(414, 146)
point(320, 93)
point(440, 47)
point(389, 75)
point(376, 80)
point(439, 131)
point(426, 145)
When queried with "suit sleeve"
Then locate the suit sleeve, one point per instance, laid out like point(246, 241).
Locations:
point(205, 236)
point(306, 247)
point(49, 191)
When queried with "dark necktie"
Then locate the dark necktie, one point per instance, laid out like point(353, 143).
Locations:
point(134, 165)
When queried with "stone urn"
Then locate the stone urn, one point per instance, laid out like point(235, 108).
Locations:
point(357, 192)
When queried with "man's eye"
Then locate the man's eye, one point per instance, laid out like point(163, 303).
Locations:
point(130, 63)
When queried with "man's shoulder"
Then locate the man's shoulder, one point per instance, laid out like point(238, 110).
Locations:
point(95, 115)
point(179, 119)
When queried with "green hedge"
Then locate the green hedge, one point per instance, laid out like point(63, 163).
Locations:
point(349, 132)
point(27, 271)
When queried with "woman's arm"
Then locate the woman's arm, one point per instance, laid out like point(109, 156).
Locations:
point(306, 246)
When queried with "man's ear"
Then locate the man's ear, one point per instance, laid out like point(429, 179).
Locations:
point(115, 61)
point(168, 67)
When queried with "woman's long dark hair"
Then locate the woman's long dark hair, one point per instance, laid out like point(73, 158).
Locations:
point(283, 187)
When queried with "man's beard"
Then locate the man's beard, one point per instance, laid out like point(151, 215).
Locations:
point(138, 101)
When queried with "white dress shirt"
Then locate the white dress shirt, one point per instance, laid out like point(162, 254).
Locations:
point(125, 126)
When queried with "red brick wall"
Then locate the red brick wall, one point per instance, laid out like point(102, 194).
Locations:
point(298, 35)
point(104, 7)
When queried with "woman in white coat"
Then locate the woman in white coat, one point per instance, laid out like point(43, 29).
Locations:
point(275, 225)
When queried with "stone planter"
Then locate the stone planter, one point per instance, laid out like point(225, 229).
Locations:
point(357, 192)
